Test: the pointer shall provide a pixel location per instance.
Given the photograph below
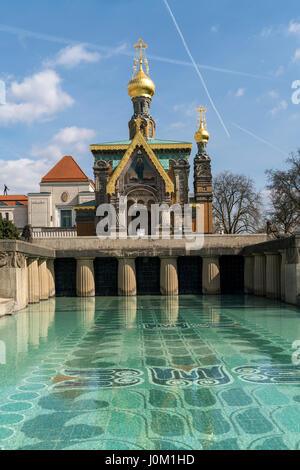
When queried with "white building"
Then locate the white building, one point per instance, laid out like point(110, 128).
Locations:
point(63, 187)
point(15, 209)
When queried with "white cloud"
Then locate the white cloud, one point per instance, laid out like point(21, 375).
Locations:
point(240, 92)
point(23, 175)
point(36, 98)
point(67, 141)
point(71, 56)
point(282, 106)
point(296, 57)
point(294, 28)
point(73, 134)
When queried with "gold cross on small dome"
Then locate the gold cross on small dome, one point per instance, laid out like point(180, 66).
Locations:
point(201, 119)
point(140, 47)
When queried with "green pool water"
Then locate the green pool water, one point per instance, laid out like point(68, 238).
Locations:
point(150, 373)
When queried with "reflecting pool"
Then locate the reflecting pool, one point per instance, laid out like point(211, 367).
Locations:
point(192, 372)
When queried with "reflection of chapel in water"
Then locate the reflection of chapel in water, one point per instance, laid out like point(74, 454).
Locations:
point(145, 169)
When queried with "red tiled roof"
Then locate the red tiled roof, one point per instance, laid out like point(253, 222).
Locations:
point(11, 200)
point(66, 170)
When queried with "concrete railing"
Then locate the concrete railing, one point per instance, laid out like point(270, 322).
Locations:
point(54, 232)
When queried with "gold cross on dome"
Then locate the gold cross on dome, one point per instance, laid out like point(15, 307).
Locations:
point(140, 48)
point(201, 118)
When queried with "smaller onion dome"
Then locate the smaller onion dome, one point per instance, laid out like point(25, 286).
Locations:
point(202, 134)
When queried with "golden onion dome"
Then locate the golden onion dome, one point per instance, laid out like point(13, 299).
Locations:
point(202, 134)
point(141, 85)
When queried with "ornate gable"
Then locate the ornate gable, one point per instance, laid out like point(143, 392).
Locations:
point(139, 141)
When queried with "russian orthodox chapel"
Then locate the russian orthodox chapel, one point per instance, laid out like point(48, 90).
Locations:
point(147, 170)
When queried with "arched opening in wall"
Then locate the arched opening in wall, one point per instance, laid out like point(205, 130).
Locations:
point(148, 276)
point(189, 275)
point(232, 274)
point(65, 277)
point(106, 276)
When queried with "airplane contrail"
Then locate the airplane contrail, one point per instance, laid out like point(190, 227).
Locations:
point(108, 50)
point(260, 139)
point(206, 67)
point(196, 68)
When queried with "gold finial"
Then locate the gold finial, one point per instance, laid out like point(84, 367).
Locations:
point(140, 48)
point(141, 84)
point(201, 118)
point(202, 135)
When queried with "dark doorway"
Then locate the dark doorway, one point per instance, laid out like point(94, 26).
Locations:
point(65, 277)
point(232, 274)
point(190, 275)
point(106, 276)
point(148, 276)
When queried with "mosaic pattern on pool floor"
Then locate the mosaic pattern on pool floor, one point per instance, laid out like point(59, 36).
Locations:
point(151, 373)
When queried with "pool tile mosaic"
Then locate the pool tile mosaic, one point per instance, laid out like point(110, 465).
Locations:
point(151, 373)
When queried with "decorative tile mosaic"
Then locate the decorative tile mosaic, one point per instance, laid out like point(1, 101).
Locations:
point(151, 373)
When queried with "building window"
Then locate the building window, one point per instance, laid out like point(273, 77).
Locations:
point(7, 215)
point(66, 218)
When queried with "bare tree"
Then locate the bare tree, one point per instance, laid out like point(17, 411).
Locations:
point(284, 186)
point(236, 204)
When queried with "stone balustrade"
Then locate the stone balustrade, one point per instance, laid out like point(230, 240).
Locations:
point(54, 232)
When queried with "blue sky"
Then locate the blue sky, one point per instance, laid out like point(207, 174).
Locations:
point(66, 65)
